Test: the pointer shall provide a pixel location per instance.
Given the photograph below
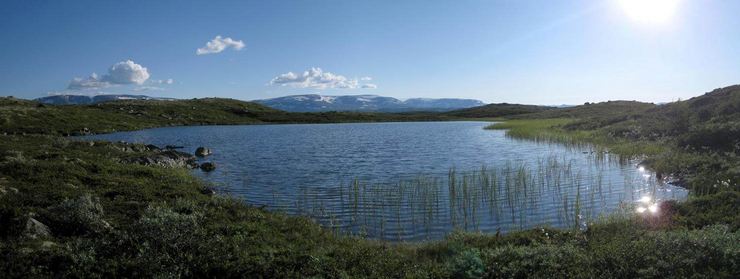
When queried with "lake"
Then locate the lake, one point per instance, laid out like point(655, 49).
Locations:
point(414, 180)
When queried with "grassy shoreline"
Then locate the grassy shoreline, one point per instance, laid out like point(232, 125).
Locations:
point(705, 206)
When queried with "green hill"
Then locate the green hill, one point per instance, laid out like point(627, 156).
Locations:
point(22, 116)
point(603, 110)
point(707, 122)
point(695, 141)
point(497, 110)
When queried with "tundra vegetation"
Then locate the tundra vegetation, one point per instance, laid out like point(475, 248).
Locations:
point(92, 209)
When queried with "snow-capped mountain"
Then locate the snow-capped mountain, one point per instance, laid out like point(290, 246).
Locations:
point(84, 99)
point(315, 102)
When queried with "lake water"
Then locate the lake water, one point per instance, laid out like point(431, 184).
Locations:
point(414, 180)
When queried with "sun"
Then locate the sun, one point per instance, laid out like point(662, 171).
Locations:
point(650, 11)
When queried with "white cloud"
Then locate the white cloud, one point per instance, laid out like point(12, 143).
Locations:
point(124, 72)
point(366, 78)
point(369, 86)
point(219, 44)
point(318, 79)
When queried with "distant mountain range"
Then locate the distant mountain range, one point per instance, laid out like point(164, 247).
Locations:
point(84, 99)
point(317, 103)
point(303, 103)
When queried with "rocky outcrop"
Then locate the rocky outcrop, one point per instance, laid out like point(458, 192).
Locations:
point(166, 158)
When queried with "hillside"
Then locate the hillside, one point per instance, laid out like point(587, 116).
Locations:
point(695, 142)
point(707, 122)
point(364, 103)
point(601, 110)
point(23, 116)
point(497, 110)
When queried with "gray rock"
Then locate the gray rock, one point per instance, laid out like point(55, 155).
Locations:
point(203, 151)
point(167, 158)
point(35, 229)
point(208, 166)
point(151, 147)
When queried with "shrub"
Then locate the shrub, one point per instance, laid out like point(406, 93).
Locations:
point(79, 216)
point(537, 261)
point(711, 252)
point(165, 241)
point(467, 264)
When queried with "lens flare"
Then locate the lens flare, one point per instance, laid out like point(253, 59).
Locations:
point(650, 11)
point(653, 208)
point(645, 199)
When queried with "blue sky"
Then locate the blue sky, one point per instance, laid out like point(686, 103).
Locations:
point(537, 52)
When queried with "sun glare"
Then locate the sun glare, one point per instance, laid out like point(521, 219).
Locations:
point(650, 11)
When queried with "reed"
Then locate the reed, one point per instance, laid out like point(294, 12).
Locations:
point(551, 191)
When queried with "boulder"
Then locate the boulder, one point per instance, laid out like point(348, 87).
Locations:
point(208, 166)
point(203, 151)
point(152, 147)
point(35, 229)
point(208, 191)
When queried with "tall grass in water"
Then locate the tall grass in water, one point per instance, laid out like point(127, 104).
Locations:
point(513, 196)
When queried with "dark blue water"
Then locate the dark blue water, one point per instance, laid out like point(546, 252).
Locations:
point(347, 175)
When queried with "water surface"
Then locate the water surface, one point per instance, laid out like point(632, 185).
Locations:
point(394, 181)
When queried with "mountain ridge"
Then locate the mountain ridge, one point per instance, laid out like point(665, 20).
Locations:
point(365, 103)
point(69, 99)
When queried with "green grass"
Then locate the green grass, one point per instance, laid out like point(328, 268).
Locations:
point(541, 130)
point(555, 130)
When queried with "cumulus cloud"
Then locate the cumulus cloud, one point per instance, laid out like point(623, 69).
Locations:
point(318, 79)
point(124, 72)
point(370, 86)
point(220, 44)
point(366, 78)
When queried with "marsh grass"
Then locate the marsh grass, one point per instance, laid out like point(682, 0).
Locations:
point(514, 196)
point(554, 131)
